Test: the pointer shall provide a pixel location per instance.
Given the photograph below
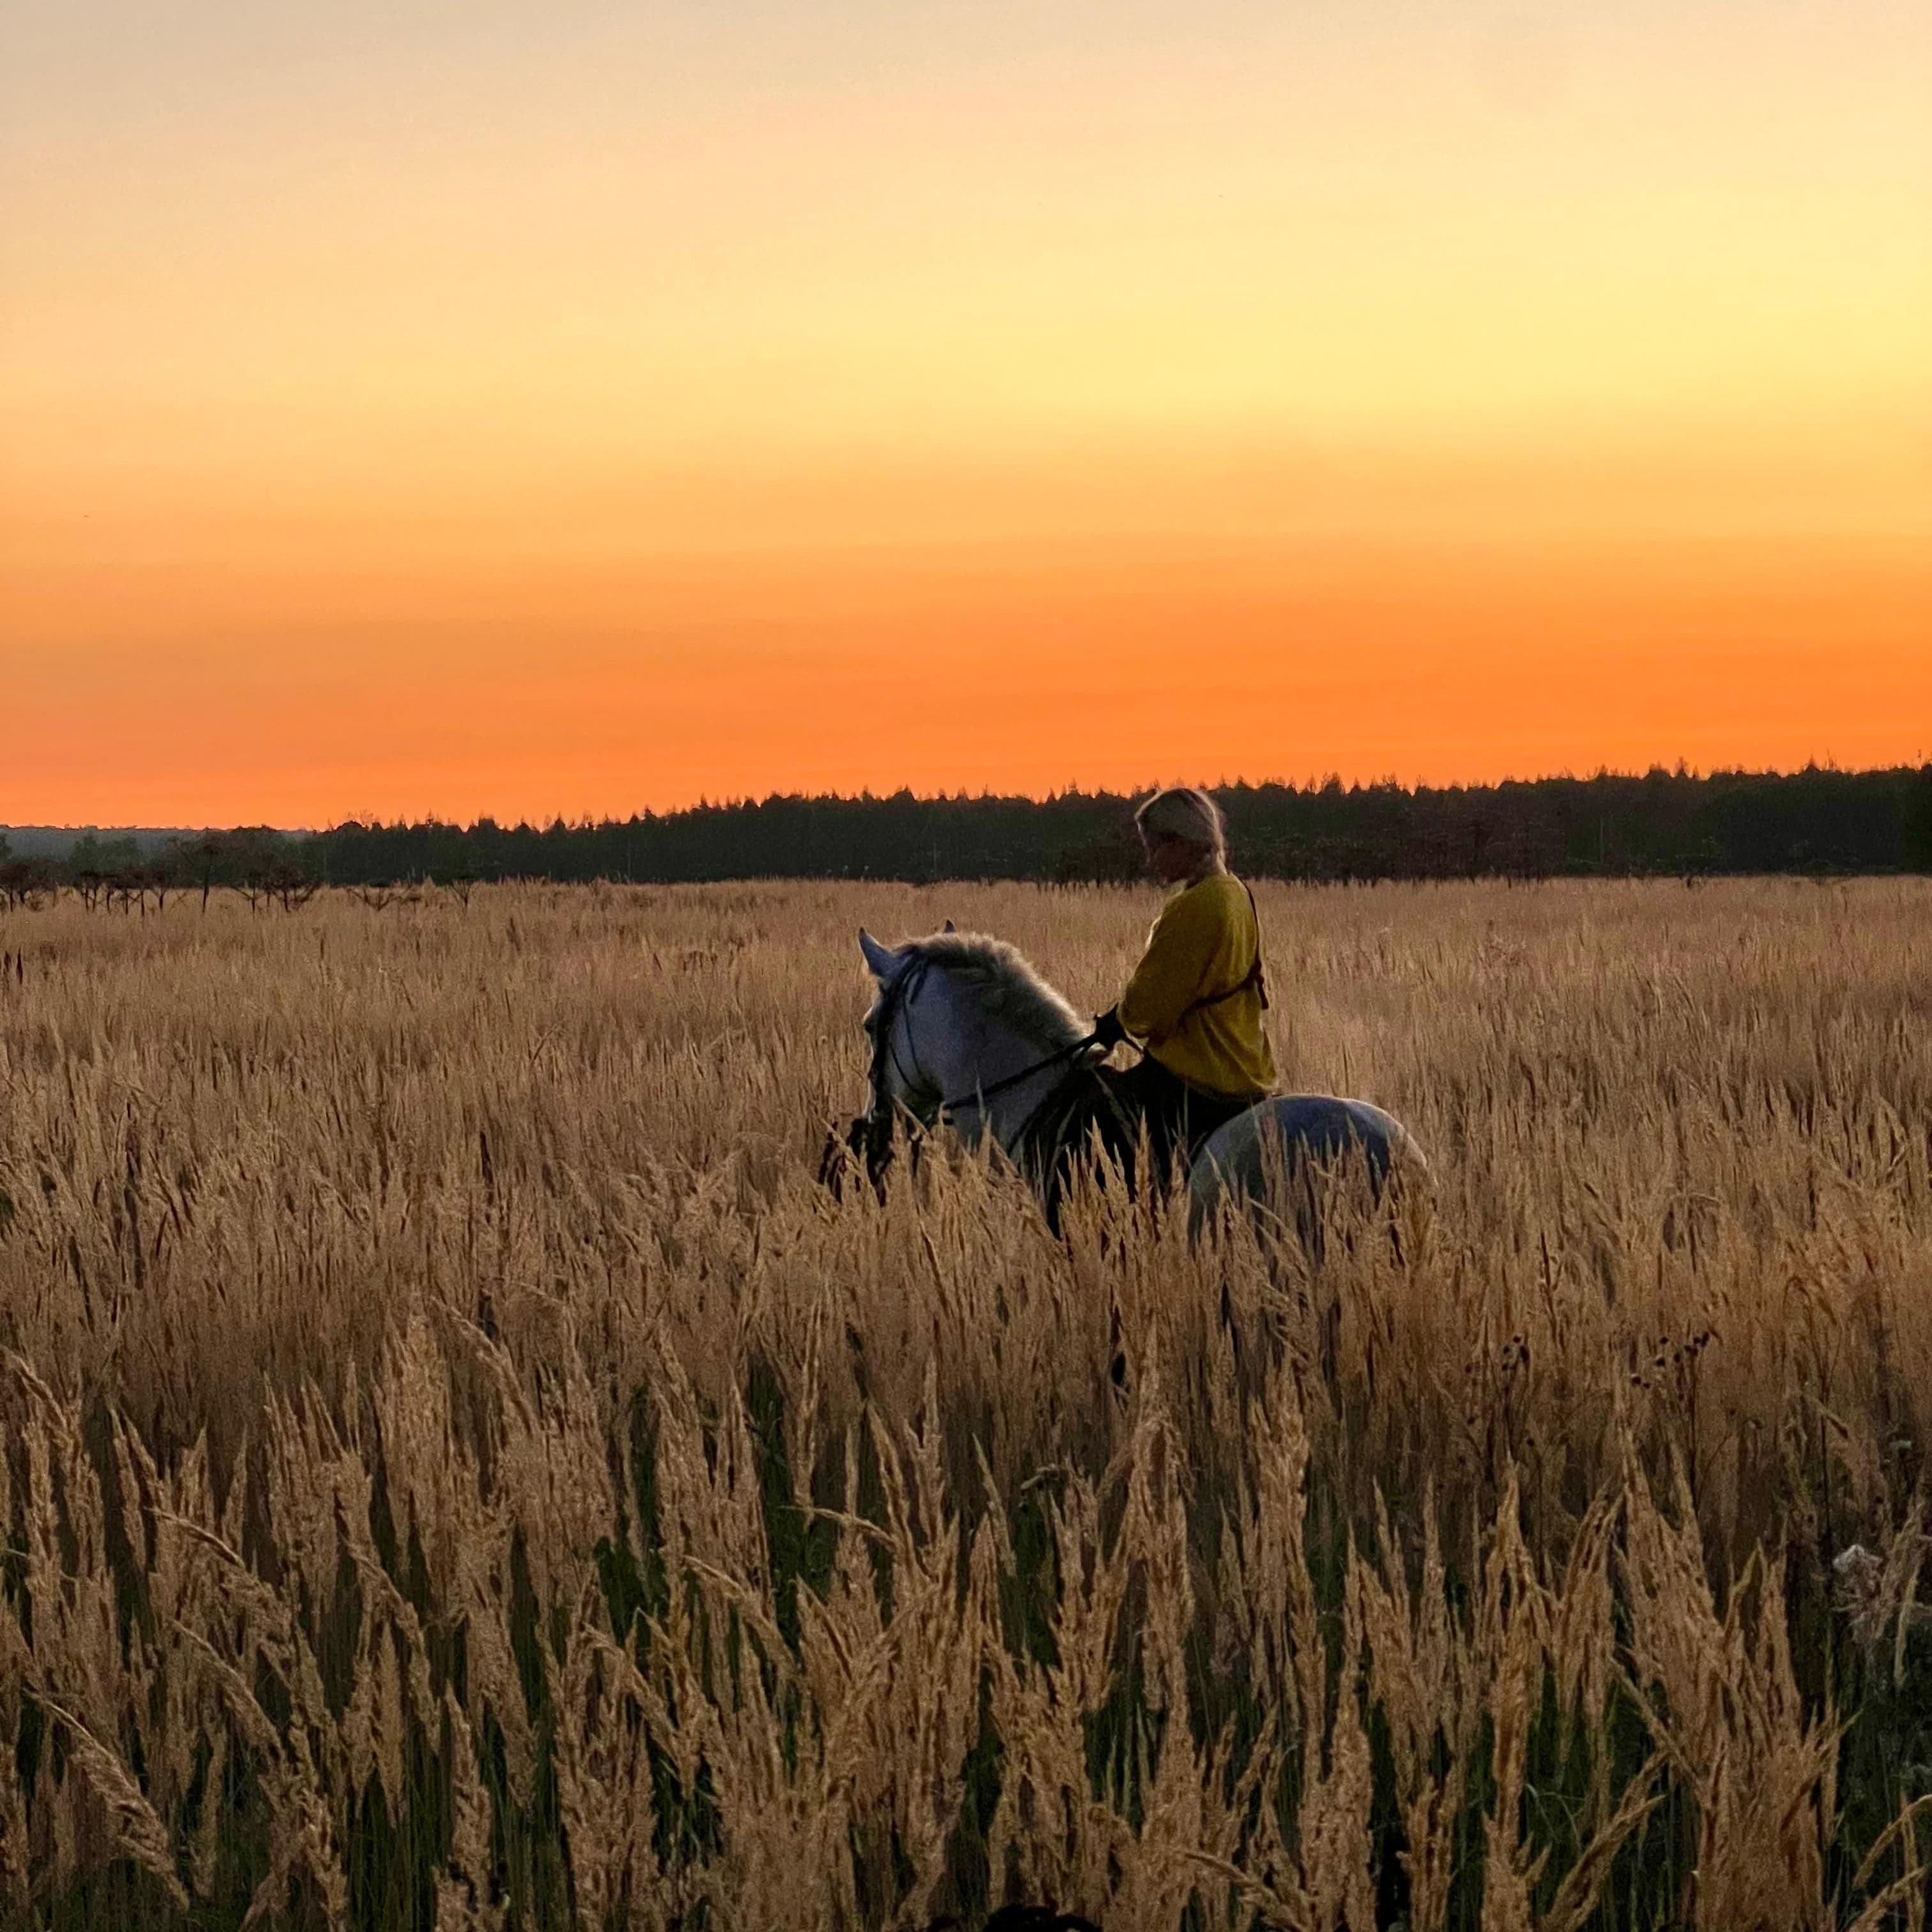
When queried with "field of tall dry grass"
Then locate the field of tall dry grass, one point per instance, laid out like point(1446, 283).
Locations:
point(460, 1470)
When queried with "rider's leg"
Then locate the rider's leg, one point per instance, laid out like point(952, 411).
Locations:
point(1207, 1112)
point(1161, 1102)
point(1180, 1117)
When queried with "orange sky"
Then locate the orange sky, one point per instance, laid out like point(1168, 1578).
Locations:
point(480, 407)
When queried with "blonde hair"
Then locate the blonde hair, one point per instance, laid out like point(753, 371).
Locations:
point(1183, 812)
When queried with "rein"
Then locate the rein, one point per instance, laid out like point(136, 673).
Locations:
point(1072, 1050)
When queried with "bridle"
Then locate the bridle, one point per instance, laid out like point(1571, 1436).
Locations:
point(896, 998)
point(870, 1139)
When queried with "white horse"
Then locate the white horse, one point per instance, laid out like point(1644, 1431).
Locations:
point(964, 1031)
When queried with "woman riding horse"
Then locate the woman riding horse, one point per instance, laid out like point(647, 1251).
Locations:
point(1194, 1002)
point(964, 1031)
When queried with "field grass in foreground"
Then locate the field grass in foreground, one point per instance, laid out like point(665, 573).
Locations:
point(459, 1470)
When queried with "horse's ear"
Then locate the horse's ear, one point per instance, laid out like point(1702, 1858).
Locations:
point(883, 962)
point(948, 927)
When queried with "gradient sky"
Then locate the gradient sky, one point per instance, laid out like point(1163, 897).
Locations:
point(453, 406)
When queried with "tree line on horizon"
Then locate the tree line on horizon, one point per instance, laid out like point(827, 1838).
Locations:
point(1819, 821)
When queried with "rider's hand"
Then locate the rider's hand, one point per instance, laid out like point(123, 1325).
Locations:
point(1107, 1029)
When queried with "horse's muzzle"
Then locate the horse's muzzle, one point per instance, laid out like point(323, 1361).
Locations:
point(866, 1147)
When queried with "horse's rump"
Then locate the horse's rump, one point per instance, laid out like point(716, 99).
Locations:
point(1284, 1134)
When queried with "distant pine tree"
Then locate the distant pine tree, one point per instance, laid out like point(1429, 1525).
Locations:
point(1918, 816)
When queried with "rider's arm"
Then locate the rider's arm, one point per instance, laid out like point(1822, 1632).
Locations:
point(1174, 970)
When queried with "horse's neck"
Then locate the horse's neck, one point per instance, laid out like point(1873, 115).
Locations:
point(985, 1051)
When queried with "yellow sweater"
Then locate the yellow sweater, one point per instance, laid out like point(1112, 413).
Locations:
point(1204, 942)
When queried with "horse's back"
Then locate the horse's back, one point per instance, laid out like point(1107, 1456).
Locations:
point(1283, 1133)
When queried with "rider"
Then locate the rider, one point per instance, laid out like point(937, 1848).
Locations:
point(1195, 1001)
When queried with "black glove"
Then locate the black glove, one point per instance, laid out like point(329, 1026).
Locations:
point(1107, 1029)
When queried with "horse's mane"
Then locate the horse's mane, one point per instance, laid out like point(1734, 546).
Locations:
point(1013, 989)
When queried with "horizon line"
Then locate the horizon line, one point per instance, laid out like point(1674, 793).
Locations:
point(1681, 769)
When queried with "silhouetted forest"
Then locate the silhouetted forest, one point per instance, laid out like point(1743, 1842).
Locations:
point(1810, 821)
point(1816, 821)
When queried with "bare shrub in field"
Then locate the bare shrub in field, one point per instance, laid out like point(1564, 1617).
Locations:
point(459, 1470)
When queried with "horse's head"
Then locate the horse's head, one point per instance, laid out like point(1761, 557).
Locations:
point(898, 1083)
point(962, 1029)
point(899, 1093)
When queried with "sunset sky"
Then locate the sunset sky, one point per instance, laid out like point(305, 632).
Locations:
point(464, 407)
